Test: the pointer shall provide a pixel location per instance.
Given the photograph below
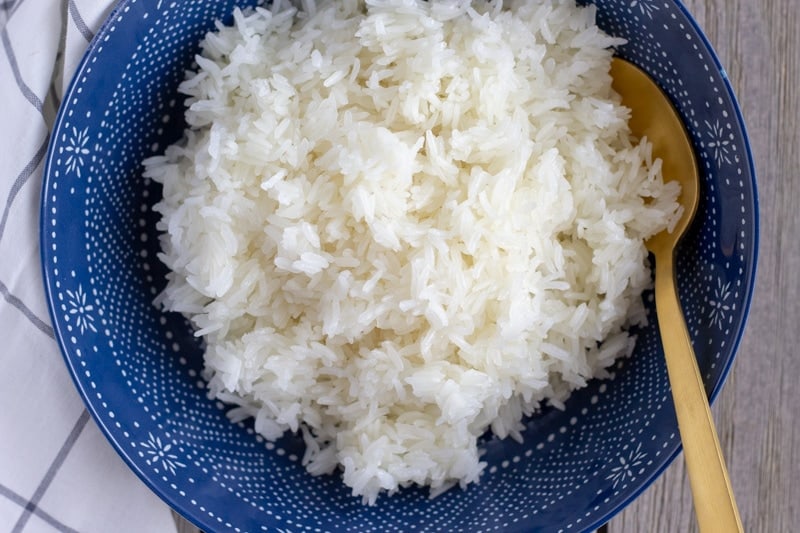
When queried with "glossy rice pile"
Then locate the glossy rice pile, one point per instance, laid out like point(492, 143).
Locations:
point(398, 224)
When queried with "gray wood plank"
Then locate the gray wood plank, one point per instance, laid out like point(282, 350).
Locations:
point(182, 525)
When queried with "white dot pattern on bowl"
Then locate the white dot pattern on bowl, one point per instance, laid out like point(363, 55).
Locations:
point(140, 371)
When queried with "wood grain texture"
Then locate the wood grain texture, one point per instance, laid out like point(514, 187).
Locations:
point(759, 45)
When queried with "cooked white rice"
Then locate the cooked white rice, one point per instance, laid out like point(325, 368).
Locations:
point(400, 223)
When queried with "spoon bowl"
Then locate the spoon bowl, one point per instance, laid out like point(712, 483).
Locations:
point(654, 117)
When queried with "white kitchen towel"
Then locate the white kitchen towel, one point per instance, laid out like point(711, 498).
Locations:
point(57, 471)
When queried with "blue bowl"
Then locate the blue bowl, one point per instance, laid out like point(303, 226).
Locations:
point(138, 369)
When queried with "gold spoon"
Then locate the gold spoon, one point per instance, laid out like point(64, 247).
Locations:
point(653, 116)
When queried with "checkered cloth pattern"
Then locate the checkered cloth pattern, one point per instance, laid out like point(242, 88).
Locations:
point(57, 471)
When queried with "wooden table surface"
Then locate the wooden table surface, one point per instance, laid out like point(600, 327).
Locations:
point(758, 42)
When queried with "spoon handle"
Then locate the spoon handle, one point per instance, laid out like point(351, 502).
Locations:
point(714, 502)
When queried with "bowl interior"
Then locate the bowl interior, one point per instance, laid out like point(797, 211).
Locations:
point(139, 369)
